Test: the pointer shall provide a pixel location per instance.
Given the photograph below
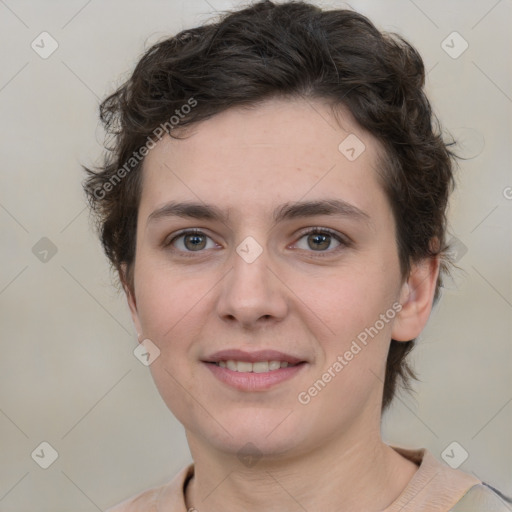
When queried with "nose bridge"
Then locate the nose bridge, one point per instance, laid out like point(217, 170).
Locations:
point(251, 291)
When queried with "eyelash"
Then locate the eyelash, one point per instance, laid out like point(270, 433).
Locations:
point(344, 241)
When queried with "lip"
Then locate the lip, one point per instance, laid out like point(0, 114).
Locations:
point(252, 357)
point(249, 381)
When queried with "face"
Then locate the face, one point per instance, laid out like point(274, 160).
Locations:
point(268, 273)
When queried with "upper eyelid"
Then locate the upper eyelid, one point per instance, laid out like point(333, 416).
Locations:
point(320, 229)
point(343, 239)
point(186, 231)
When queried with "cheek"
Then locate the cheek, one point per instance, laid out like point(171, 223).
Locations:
point(347, 297)
point(171, 313)
point(349, 304)
point(356, 343)
point(165, 297)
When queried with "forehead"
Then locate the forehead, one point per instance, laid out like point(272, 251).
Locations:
point(280, 150)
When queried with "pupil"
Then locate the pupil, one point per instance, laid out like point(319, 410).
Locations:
point(320, 237)
point(196, 241)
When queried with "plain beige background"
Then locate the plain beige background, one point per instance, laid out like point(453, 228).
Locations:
point(67, 369)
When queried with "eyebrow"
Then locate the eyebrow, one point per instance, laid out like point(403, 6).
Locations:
point(286, 211)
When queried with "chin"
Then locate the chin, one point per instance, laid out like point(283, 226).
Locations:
point(259, 432)
point(254, 446)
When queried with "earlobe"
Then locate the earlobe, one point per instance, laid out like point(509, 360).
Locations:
point(416, 298)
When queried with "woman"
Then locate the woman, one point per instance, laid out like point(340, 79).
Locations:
point(275, 206)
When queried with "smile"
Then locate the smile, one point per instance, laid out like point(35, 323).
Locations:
point(258, 367)
point(252, 377)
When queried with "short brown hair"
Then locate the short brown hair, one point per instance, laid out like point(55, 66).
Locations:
point(287, 50)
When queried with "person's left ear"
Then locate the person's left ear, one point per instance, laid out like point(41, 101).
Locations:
point(416, 298)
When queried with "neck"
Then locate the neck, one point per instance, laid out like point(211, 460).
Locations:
point(346, 474)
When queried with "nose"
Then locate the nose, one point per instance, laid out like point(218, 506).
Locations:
point(252, 293)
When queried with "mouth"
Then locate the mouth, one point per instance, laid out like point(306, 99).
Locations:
point(253, 371)
point(255, 367)
point(254, 377)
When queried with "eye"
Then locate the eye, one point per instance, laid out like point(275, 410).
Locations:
point(320, 239)
point(192, 240)
point(317, 240)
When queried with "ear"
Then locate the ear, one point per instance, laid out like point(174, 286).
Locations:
point(416, 298)
point(130, 297)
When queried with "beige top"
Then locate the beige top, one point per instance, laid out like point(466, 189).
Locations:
point(435, 487)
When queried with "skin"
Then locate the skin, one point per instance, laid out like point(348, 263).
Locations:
point(295, 297)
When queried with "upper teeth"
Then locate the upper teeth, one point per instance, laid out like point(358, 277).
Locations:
point(259, 367)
